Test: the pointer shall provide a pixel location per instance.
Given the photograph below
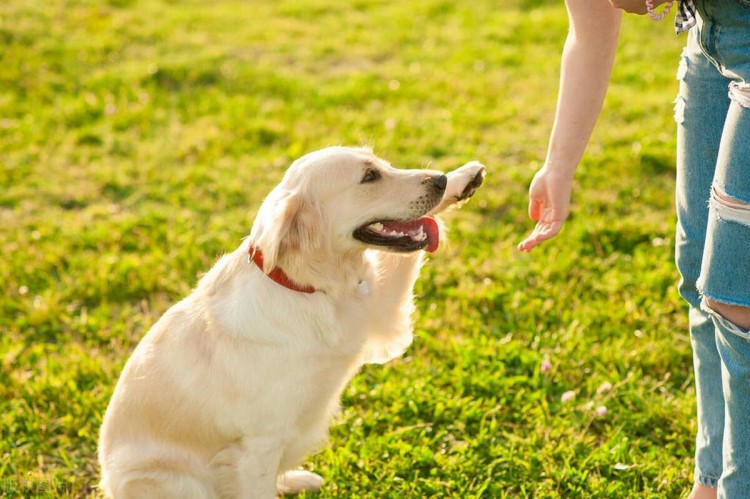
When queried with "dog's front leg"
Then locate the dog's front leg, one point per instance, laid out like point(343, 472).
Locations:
point(398, 272)
point(392, 303)
point(248, 469)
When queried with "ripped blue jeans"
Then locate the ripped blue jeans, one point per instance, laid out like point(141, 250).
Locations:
point(712, 113)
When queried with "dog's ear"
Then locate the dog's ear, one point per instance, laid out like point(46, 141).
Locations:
point(286, 223)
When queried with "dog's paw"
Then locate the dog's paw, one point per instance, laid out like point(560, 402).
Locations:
point(296, 481)
point(463, 182)
point(471, 176)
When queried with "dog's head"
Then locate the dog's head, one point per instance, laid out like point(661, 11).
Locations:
point(341, 199)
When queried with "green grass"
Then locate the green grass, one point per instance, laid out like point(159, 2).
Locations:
point(137, 139)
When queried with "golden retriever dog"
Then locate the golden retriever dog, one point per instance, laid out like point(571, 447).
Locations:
point(235, 384)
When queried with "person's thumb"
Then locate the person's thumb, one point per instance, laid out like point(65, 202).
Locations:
point(535, 209)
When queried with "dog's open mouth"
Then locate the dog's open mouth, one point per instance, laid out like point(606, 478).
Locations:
point(401, 235)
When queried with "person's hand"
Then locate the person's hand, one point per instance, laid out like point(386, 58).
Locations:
point(630, 6)
point(634, 6)
point(549, 206)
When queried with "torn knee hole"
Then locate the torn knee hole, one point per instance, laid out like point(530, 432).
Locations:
point(736, 315)
point(729, 208)
point(740, 93)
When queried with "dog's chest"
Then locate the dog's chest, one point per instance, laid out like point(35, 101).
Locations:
point(356, 302)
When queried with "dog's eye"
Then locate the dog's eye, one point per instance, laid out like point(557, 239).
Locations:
point(370, 176)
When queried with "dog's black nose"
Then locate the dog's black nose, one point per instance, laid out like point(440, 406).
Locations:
point(439, 183)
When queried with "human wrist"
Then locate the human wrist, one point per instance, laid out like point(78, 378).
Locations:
point(562, 170)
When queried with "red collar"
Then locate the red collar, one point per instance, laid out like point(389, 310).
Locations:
point(277, 275)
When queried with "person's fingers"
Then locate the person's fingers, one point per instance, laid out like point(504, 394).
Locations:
point(542, 232)
point(531, 240)
point(549, 230)
point(528, 244)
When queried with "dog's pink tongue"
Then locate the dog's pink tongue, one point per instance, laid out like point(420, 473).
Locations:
point(429, 228)
point(433, 233)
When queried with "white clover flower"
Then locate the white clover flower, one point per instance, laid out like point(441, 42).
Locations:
point(568, 396)
point(604, 387)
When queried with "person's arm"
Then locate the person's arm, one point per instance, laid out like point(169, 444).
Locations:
point(635, 6)
point(586, 67)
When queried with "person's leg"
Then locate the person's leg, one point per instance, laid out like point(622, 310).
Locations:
point(725, 273)
point(700, 111)
point(725, 285)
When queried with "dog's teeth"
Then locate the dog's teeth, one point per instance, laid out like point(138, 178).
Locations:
point(379, 228)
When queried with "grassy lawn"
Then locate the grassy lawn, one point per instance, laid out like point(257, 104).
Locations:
point(138, 137)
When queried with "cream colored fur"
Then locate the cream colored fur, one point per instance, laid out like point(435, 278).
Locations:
point(238, 382)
